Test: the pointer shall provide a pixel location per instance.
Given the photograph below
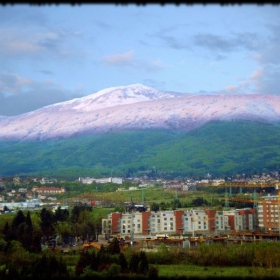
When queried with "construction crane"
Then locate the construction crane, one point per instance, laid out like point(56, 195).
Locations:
point(255, 200)
point(241, 184)
point(264, 202)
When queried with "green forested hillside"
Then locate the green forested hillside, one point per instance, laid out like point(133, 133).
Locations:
point(220, 148)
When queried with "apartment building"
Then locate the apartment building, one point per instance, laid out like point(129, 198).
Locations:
point(192, 222)
point(268, 213)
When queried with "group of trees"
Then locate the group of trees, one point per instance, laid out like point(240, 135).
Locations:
point(22, 254)
point(176, 203)
point(48, 225)
point(111, 262)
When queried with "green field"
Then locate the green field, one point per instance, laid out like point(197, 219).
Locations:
point(181, 270)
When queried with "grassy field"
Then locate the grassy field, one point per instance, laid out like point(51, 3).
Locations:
point(173, 271)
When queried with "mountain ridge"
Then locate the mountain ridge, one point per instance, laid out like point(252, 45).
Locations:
point(137, 107)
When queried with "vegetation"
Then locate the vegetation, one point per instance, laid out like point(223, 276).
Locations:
point(26, 259)
point(221, 148)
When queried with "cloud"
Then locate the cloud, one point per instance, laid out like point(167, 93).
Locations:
point(154, 83)
point(213, 42)
point(37, 43)
point(270, 82)
point(22, 16)
point(46, 72)
point(128, 60)
point(264, 80)
point(263, 50)
point(101, 24)
point(174, 43)
point(231, 88)
point(19, 95)
point(156, 65)
point(12, 83)
point(269, 54)
point(120, 59)
point(235, 42)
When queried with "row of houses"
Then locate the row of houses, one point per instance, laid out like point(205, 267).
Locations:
point(28, 204)
point(48, 190)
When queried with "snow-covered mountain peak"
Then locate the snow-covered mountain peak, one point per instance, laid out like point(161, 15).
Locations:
point(114, 96)
point(137, 107)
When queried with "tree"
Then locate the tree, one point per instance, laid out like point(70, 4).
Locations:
point(122, 262)
point(25, 232)
point(114, 247)
point(28, 221)
point(143, 266)
point(47, 222)
point(133, 264)
point(154, 207)
point(18, 219)
point(9, 234)
point(93, 261)
point(61, 215)
point(83, 262)
point(199, 201)
point(36, 243)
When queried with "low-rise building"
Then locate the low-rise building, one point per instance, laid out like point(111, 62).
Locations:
point(48, 190)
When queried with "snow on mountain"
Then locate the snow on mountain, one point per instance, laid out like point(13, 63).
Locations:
point(114, 96)
point(137, 107)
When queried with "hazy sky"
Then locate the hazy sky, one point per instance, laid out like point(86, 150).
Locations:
point(54, 53)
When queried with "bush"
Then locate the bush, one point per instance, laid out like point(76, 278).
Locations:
point(113, 270)
point(153, 273)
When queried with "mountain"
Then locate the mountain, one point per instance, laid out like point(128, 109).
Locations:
point(137, 107)
point(136, 130)
point(220, 148)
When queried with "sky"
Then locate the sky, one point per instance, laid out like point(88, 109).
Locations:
point(54, 53)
